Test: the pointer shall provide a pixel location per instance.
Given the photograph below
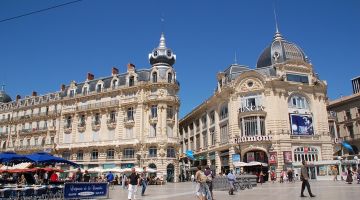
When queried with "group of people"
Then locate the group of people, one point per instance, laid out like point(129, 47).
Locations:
point(203, 183)
point(30, 178)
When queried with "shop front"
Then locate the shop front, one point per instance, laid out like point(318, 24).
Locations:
point(257, 161)
point(224, 159)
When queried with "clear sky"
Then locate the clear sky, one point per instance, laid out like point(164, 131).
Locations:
point(41, 51)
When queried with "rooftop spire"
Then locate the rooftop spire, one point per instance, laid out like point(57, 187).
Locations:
point(277, 35)
point(235, 58)
point(2, 87)
point(162, 41)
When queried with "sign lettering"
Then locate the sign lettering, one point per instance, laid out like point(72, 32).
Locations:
point(253, 138)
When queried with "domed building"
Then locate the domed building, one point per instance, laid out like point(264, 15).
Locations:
point(123, 120)
point(269, 118)
point(4, 98)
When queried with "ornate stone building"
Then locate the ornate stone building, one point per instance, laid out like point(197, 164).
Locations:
point(271, 117)
point(126, 119)
point(344, 125)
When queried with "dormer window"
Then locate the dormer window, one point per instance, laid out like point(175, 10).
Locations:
point(131, 81)
point(114, 83)
point(85, 90)
point(169, 77)
point(154, 77)
point(155, 53)
point(98, 87)
point(72, 93)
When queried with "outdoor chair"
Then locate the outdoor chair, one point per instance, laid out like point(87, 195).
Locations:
point(26, 194)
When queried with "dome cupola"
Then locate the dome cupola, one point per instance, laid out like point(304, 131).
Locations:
point(280, 50)
point(162, 54)
point(4, 98)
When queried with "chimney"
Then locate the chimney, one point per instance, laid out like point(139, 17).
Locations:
point(114, 71)
point(62, 87)
point(130, 66)
point(90, 76)
point(34, 94)
point(18, 97)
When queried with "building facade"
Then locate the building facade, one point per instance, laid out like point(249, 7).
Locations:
point(268, 118)
point(126, 119)
point(344, 126)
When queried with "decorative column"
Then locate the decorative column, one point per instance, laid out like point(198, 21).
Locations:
point(217, 162)
point(231, 152)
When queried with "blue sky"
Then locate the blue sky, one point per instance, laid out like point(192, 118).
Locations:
point(41, 51)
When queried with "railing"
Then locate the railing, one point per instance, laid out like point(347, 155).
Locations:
point(106, 104)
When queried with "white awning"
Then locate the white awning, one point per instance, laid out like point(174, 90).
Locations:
point(239, 164)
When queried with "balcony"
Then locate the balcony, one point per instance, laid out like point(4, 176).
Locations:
point(106, 104)
point(111, 123)
point(95, 125)
point(129, 121)
point(153, 119)
point(81, 127)
point(67, 128)
point(170, 121)
point(25, 131)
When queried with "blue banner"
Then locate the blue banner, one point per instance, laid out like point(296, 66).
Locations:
point(236, 158)
point(85, 190)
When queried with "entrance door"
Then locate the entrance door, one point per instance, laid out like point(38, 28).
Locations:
point(170, 172)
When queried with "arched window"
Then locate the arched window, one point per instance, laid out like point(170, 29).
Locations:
point(299, 102)
point(154, 77)
point(99, 87)
point(131, 81)
point(85, 90)
point(94, 154)
point(306, 153)
point(169, 77)
point(152, 152)
point(68, 121)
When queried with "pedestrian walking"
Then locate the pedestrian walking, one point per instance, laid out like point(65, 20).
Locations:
point(282, 175)
point(304, 177)
point(208, 173)
point(110, 179)
point(273, 176)
point(203, 192)
point(335, 173)
point(349, 178)
point(123, 181)
point(143, 181)
point(231, 178)
point(133, 183)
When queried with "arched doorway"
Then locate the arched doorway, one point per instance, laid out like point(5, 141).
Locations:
point(152, 166)
point(257, 161)
point(170, 170)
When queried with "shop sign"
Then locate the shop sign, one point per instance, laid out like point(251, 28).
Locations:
point(251, 108)
point(253, 138)
point(85, 190)
point(287, 157)
point(236, 158)
point(273, 158)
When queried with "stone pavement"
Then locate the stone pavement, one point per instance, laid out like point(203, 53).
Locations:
point(324, 190)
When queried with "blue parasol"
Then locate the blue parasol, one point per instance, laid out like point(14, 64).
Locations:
point(347, 146)
point(190, 154)
point(42, 157)
point(12, 157)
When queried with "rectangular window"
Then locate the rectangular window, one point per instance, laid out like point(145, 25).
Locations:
point(129, 153)
point(169, 112)
point(351, 131)
point(171, 152)
point(198, 142)
point(97, 119)
point(348, 115)
point(249, 126)
point(152, 130)
point(205, 139)
point(332, 130)
point(85, 91)
point(130, 114)
point(297, 78)
point(204, 122)
point(82, 120)
point(110, 154)
point(80, 155)
point(72, 93)
point(98, 88)
point(112, 116)
point(169, 130)
point(94, 155)
point(152, 152)
point(212, 117)
point(224, 135)
point(213, 137)
point(154, 111)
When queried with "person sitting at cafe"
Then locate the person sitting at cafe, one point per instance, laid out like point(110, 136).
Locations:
point(54, 177)
point(22, 180)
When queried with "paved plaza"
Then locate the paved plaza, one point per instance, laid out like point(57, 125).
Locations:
point(326, 190)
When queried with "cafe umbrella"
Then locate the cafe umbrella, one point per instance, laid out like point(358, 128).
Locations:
point(45, 158)
point(11, 157)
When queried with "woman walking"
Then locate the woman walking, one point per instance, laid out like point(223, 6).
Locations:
point(349, 178)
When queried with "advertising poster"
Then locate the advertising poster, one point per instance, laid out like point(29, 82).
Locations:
point(287, 157)
point(235, 158)
point(273, 158)
point(250, 156)
point(301, 124)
